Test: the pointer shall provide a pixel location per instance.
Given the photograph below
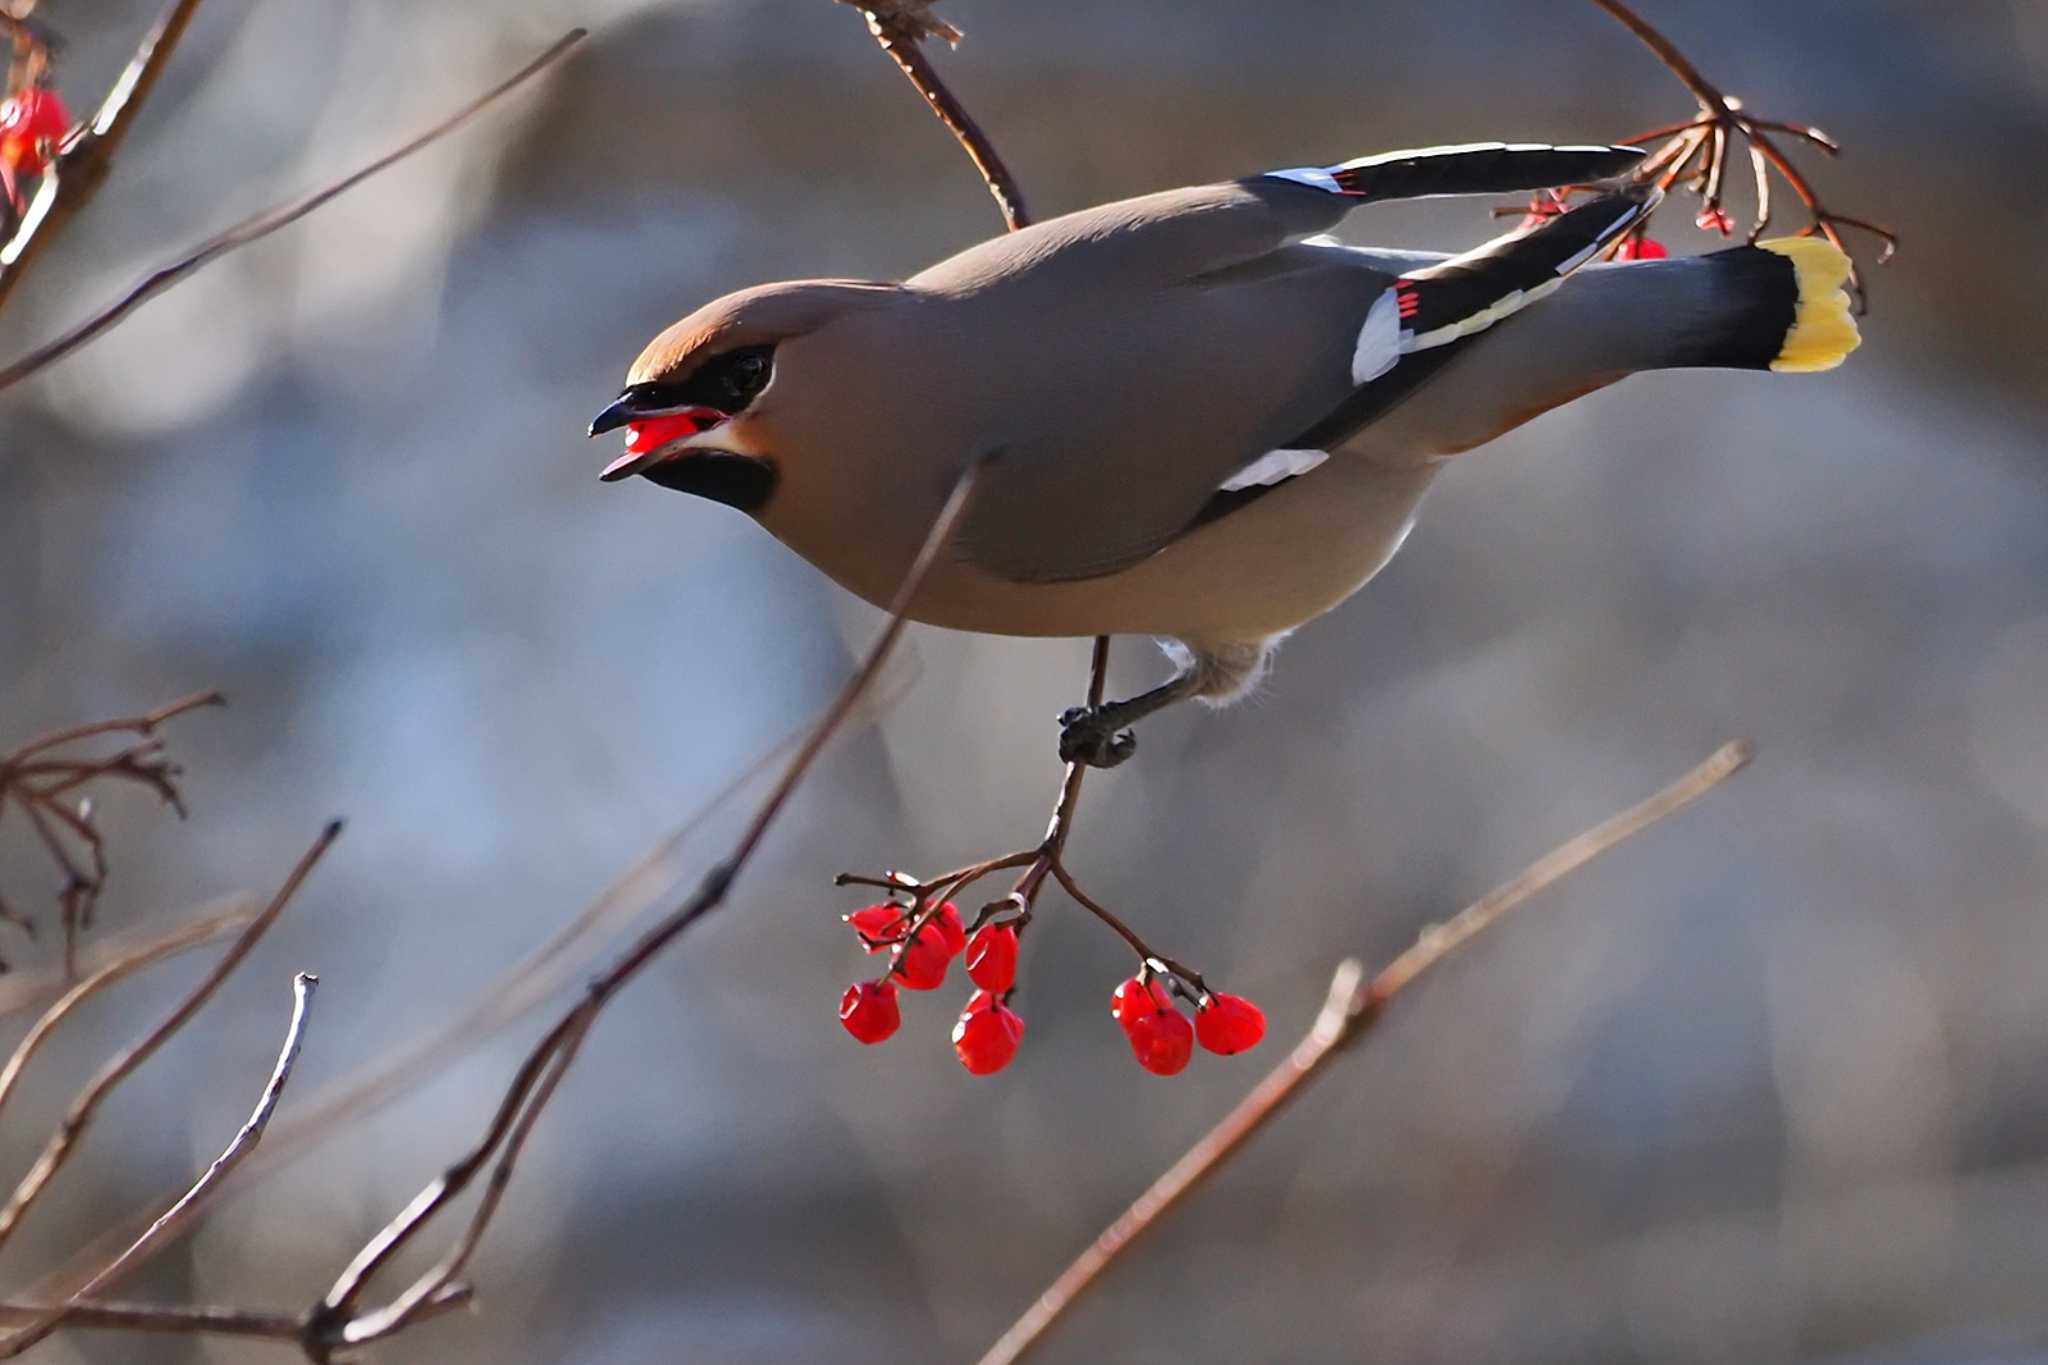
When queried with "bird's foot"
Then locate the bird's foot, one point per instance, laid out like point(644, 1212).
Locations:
point(1091, 735)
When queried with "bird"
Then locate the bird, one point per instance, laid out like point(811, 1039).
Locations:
point(1194, 414)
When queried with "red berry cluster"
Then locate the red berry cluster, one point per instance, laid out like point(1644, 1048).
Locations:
point(32, 122)
point(921, 948)
point(1161, 1037)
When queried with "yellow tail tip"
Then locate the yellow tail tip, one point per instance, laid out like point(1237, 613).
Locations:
point(1823, 329)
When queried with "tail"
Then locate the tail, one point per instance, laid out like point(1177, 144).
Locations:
point(1823, 329)
point(1778, 305)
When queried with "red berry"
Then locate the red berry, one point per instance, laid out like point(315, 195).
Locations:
point(921, 963)
point(1132, 1001)
point(1715, 220)
point(1162, 1041)
point(868, 1009)
point(992, 957)
point(986, 1038)
point(979, 1001)
point(1641, 249)
point(1229, 1023)
point(32, 121)
point(951, 931)
point(877, 925)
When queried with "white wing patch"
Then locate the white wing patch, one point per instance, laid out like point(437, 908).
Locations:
point(1275, 466)
point(1379, 340)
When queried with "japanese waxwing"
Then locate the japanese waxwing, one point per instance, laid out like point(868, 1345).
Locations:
point(1209, 423)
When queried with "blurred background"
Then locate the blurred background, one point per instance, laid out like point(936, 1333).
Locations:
point(1766, 1084)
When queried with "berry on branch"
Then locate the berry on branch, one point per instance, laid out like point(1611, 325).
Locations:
point(1229, 1024)
point(869, 1011)
point(986, 1035)
point(992, 957)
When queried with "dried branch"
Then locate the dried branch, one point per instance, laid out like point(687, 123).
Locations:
point(82, 162)
point(261, 224)
point(244, 1141)
point(1353, 1007)
point(181, 939)
point(1695, 153)
point(900, 27)
point(42, 780)
point(76, 1119)
point(24, 990)
point(499, 1004)
point(336, 1322)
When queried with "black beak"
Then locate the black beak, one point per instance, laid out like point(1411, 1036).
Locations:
point(623, 409)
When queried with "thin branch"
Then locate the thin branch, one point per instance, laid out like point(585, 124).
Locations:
point(39, 779)
point(261, 224)
point(102, 1314)
point(335, 1322)
point(244, 1141)
point(182, 939)
point(516, 992)
point(900, 27)
point(80, 1115)
point(23, 990)
point(1353, 1006)
point(82, 163)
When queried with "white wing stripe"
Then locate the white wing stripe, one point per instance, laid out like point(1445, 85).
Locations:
point(1275, 466)
point(1379, 340)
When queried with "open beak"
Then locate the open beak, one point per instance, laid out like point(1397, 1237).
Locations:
point(654, 431)
point(661, 444)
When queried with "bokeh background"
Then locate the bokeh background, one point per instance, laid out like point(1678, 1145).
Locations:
point(1770, 1083)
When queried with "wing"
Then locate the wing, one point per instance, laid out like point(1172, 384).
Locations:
point(1168, 358)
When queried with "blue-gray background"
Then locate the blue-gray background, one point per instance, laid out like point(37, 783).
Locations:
point(1767, 1084)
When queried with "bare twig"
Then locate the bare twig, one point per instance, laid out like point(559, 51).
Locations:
point(244, 1141)
point(40, 779)
point(1709, 137)
point(261, 224)
point(119, 1068)
point(1354, 1005)
point(284, 1328)
point(335, 1323)
point(518, 991)
point(182, 939)
point(82, 163)
point(24, 990)
point(900, 27)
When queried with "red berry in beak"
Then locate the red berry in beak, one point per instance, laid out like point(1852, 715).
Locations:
point(869, 1011)
point(1162, 1041)
point(32, 122)
point(652, 433)
point(986, 1039)
point(992, 957)
point(1229, 1023)
point(1641, 249)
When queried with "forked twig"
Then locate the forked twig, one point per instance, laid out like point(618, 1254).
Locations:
point(42, 780)
point(251, 1132)
point(1695, 153)
point(336, 1322)
point(79, 1116)
point(261, 224)
point(1354, 1005)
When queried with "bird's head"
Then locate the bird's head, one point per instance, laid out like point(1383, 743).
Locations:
point(699, 402)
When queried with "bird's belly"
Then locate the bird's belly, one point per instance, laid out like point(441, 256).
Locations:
point(1261, 570)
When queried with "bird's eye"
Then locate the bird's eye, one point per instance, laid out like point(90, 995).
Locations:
point(746, 374)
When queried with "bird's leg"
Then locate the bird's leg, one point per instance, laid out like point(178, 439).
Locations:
point(1099, 736)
